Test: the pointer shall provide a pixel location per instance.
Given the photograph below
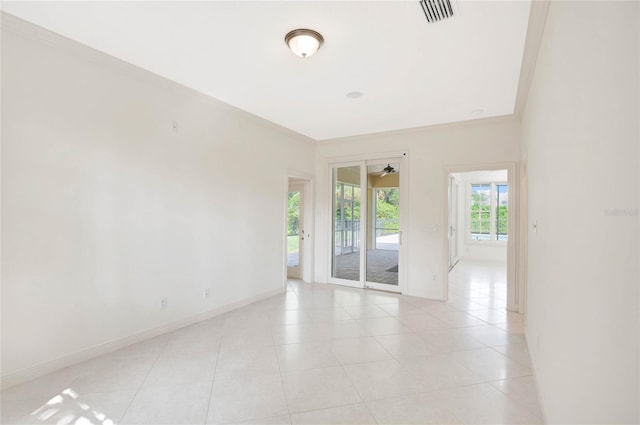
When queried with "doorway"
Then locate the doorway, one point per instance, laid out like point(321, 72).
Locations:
point(295, 229)
point(366, 222)
point(482, 236)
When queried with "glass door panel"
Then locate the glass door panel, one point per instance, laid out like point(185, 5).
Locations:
point(295, 235)
point(383, 226)
point(345, 263)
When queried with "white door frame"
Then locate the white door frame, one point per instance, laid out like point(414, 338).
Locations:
point(514, 284)
point(453, 223)
point(362, 160)
point(363, 211)
point(523, 219)
point(306, 260)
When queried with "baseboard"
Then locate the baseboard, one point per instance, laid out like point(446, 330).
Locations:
point(535, 377)
point(422, 294)
point(24, 375)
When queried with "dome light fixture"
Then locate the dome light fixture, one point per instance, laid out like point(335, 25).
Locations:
point(304, 42)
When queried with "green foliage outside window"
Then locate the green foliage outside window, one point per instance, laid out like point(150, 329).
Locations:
point(480, 209)
point(481, 215)
point(351, 202)
point(387, 208)
point(293, 214)
point(502, 220)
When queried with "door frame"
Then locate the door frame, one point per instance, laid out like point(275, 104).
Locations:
point(361, 160)
point(523, 219)
point(306, 260)
point(514, 282)
point(454, 215)
point(363, 211)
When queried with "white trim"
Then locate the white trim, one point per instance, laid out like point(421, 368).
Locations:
point(329, 189)
point(24, 375)
point(513, 243)
point(345, 282)
point(309, 223)
point(362, 160)
point(356, 159)
point(364, 219)
point(535, 30)
point(535, 376)
point(480, 122)
point(523, 219)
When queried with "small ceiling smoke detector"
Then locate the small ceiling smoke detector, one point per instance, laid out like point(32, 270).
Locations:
point(436, 10)
point(304, 42)
point(354, 94)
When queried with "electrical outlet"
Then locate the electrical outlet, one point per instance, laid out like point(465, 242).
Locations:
point(434, 277)
point(207, 292)
point(163, 303)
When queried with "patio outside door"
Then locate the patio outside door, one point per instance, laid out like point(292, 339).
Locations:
point(295, 232)
point(366, 232)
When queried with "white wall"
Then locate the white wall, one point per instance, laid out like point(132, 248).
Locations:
point(106, 209)
point(580, 128)
point(429, 152)
point(473, 250)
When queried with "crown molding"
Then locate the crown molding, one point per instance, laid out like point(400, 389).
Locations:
point(535, 31)
point(481, 122)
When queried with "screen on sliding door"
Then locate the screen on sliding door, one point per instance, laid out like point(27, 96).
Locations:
point(346, 223)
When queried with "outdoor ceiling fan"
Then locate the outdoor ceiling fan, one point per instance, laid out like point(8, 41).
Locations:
point(386, 170)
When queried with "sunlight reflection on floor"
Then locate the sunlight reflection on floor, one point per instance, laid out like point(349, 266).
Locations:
point(68, 408)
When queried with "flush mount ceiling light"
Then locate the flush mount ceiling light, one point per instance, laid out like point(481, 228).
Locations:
point(304, 42)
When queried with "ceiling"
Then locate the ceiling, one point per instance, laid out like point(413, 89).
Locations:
point(411, 73)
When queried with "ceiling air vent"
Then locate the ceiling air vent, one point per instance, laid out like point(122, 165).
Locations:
point(436, 10)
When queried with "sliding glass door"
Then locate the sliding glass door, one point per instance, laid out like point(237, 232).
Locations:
point(366, 235)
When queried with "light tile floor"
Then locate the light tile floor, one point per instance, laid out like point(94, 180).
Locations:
point(318, 354)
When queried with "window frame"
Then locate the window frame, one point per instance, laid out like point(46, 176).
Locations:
point(492, 213)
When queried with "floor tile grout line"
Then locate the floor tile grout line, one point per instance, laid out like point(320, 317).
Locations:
point(519, 403)
point(284, 390)
point(435, 390)
point(362, 400)
point(124, 413)
point(215, 371)
point(330, 408)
